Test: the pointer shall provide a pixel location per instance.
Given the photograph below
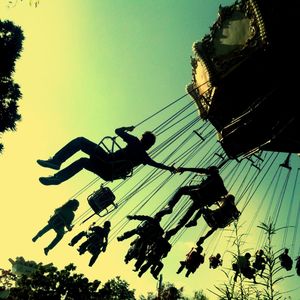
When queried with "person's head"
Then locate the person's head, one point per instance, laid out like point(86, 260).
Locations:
point(199, 249)
point(218, 255)
point(261, 252)
point(213, 169)
point(230, 198)
point(106, 224)
point(248, 255)
point(286, 251)
point(148, 139)
point(73, 204)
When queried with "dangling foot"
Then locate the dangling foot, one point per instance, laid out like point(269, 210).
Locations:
point(35, 238)
point(170, 233)
point(49, 163)
point(46, 250)
point(200, 241)
point(120, 238)
point(191, 224)
point(51, 180)
point(166, 210)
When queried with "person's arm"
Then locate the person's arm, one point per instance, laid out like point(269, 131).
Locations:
point(139, 217)
point(203, 171)
point(155, 164)
point(122, 133)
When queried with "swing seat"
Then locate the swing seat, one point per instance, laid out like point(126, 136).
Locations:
point(120, 169)
point(217, 219)
point(101, 199)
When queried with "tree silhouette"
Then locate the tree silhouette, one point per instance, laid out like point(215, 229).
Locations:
point(47, 282)
point(38, 281)
point(11, 40)
point(116, 289)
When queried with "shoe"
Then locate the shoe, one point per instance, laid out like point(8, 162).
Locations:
point(51, 180)
point(34, 239)
point(166, 210)
point(46, 250)
point(200, 241)
point(169, 233)
point(70, 244)
point(191, 224)
point(119, 239)
point(49, 163)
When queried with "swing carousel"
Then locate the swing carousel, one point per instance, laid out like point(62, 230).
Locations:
point(244, 122)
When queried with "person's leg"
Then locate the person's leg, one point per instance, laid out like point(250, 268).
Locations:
point(59, 235)
point(42, 232)
point(77, 144)
point(185, 190)
point(155, 270)
point(182, 221)
point(77, 238)
point(140, 260)
point(188, 273)
point(94, 258)
point(182, 266)
point(193, 222)
point(144, 268)
point(83, 247)
point(68, 172)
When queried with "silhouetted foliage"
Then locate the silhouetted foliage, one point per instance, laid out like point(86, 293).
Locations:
point(50, 283)
point(11, 40)
point(47, 282)
point(167, 292)
point(116, 289)
point(12, 3)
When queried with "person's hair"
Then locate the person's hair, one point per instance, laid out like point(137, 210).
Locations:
point(106, 224)
point(247, 255)
point(148, 139)
point(230, 198)
point(73, 204)
point(218, 255)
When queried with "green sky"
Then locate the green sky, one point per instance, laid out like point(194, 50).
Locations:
point(88, 67)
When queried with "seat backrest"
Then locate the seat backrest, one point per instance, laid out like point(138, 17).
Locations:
point(101, 199)
point(219, 219)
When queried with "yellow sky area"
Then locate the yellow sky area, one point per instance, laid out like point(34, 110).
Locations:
point(50, 117)
point(65, 97)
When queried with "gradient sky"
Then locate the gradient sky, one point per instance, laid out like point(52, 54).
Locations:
point(87, 68)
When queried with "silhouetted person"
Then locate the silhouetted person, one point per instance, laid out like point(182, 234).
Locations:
point(63, 217)
point(149, 228)
point(192, 262)
point(81, 234)
point(285, 260)
point(96, 241)
point(148, 231)
point(215, 261)
point(206, 193)
point(243, 266)
point(109, 166)
point(220, 217)
point(298, 265)
point(134, 250)
point(156, 251)
point(260, 263)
